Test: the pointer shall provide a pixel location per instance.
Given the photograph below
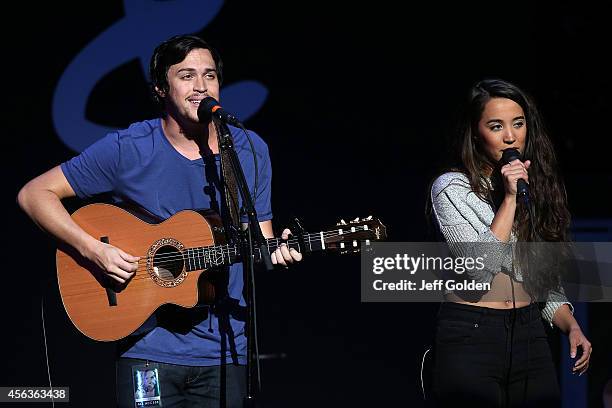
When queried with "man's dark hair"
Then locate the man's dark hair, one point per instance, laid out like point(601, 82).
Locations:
point(171, 52)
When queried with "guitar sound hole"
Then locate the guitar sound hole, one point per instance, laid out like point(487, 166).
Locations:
point(168, 263)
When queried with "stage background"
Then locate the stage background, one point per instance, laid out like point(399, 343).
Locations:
point(359, 116)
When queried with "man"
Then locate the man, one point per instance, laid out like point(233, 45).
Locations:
point(163, 166)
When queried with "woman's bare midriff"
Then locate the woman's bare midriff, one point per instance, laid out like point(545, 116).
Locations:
point(500, 295)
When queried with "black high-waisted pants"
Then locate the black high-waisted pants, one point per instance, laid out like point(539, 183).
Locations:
point(487, 357)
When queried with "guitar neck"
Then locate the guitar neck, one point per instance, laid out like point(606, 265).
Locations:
point(220, 255)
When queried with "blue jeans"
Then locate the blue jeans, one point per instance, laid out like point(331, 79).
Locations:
point(186, 386)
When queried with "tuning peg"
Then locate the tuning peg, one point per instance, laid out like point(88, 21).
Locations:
point(341, 222)
point(356, 220)
point(368, 218)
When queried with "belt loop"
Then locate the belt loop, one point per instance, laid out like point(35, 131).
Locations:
point(526, 314)
point(532, 314)
point(480, 315)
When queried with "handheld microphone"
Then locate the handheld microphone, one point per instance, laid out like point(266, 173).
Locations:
point(209, 107)
point(522, 188)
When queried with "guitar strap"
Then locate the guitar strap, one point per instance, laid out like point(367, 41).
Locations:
point(218, 282)
point(230, 192)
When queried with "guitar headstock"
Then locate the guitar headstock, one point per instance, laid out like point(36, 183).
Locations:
point(348, 236)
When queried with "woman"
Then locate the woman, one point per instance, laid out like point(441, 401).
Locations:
point(482, 353)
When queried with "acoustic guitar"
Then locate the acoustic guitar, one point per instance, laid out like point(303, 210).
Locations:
point(174, 254)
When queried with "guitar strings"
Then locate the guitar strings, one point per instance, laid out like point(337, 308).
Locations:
point(219, 249)
point(141, 272)
point(213, 249)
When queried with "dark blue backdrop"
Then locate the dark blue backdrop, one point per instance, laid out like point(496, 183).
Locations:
point(359, 115)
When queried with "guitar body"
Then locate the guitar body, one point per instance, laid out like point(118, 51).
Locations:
point(174, 255)
point(104, 310)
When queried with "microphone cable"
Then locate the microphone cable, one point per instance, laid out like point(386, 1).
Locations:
point(42, 316)
point(248, 136)
point(536, 236)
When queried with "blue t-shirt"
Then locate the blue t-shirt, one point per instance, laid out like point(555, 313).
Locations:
point(139, 166)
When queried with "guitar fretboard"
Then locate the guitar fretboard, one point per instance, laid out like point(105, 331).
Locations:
point(219, 255)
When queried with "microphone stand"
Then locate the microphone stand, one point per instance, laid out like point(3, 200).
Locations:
point(226, 144)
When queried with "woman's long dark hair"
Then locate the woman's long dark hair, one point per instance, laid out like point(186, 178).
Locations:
point(551, 217)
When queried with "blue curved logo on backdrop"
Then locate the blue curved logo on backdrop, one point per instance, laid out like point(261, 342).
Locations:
point(146, 24)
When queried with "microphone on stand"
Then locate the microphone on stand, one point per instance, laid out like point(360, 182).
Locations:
point(209, 108)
